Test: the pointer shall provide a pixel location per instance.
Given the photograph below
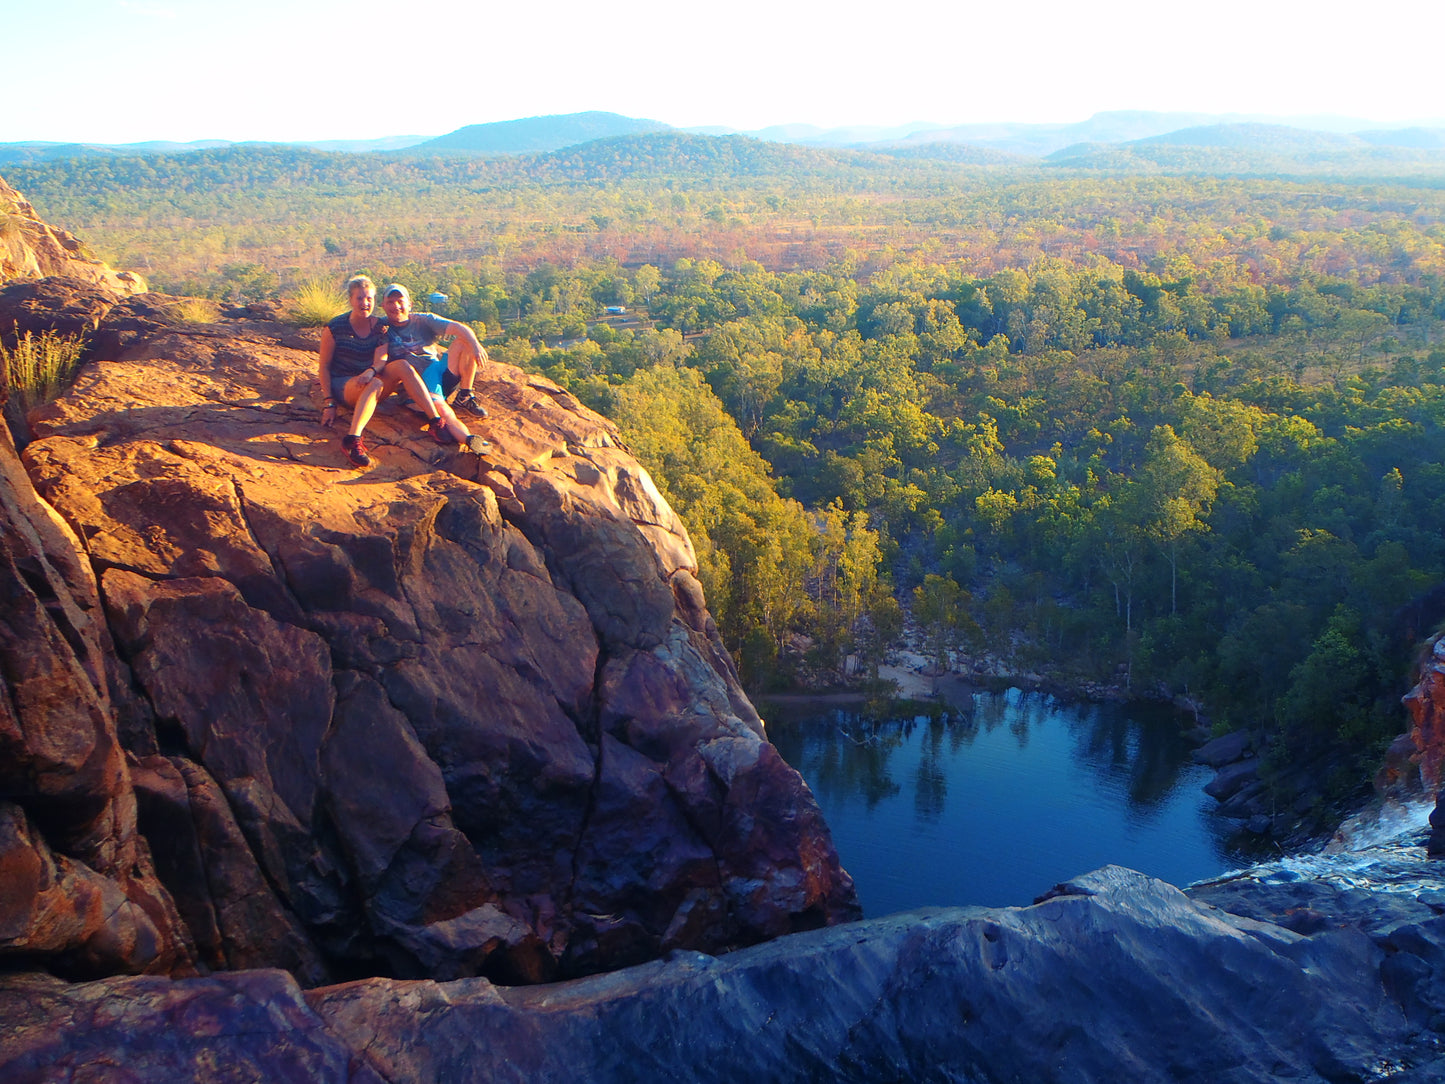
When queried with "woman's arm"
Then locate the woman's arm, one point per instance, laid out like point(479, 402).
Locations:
point(328, 348)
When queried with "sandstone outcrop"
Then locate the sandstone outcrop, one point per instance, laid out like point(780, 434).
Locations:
point(1420, 762)
point(1110, 977)
point(76, 885)
point(443, 717)
point(30, 248)
point(1425, 704)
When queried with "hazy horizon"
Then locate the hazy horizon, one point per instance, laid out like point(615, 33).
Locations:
point(286, 70)
point(1318, 122)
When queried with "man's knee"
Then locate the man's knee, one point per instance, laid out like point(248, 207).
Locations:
point(461, 357)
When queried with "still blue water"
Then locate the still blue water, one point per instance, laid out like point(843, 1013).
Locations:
point(1002, 798)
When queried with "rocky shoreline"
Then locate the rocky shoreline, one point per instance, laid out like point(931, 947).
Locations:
point(1274, 806)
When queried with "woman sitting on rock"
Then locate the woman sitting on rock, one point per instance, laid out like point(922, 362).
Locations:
point(350, 370)
point(411, 338)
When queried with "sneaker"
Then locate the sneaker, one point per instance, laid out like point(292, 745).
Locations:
point(465, 400)
point(356, 450)
point(439, 432)
point(476, 444)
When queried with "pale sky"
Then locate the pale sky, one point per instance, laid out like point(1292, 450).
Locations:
point(118, 71)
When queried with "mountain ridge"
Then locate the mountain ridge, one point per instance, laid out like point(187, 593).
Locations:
point(551, 132)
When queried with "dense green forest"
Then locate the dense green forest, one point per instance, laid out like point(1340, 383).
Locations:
point(1176, 433)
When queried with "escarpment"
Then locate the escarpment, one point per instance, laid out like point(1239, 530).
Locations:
point(32, 248)
point(443, 717)
point(310, 774)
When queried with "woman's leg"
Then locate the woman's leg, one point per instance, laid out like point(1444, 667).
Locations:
point(362, 395)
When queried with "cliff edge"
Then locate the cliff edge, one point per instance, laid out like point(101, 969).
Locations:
point(444, 717)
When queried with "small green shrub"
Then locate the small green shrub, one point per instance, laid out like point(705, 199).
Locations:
point(40, 367)
point(315, 303)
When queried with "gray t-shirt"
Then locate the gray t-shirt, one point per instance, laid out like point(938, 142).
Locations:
point(415, 341)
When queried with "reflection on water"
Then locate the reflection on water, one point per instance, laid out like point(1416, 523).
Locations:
point(997, 800)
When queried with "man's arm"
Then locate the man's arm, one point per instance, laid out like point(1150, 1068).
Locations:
point(466, 334)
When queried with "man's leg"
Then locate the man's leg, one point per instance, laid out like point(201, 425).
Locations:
point(402, 374)
point(459, 432)
point(461, 372)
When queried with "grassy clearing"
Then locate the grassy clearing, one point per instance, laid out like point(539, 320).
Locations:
point(315, 302)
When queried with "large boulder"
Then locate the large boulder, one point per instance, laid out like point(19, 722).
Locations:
point(78, 885)
point(30, 248)
point(69, 306)
point(1425, 703)
point(444, 717)
point(1421, 763)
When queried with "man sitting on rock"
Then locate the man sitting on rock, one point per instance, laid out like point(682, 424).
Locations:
point(411, 337)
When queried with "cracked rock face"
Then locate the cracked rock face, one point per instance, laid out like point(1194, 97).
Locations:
point(433, 719)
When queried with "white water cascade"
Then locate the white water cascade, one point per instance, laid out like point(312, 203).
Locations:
point(1381, 850)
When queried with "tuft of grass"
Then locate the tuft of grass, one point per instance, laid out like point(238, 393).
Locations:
point(40, 367)
point(315, 302)
point(196, 310)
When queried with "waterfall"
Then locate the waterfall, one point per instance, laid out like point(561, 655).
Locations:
point(1381, 849)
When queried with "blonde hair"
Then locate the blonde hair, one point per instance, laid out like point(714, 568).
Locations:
point(361, 281)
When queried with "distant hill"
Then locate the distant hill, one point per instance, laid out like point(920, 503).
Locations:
point(1038, 140)
point(39, 151)
point(1276, 138)
point(35, 151)
point(1129, 126)
point(188, 181)
point(534, 134)
point(1254, 154)
point(849, 136)
point(962, 153)
point(1257, 148)
point(681, 154)
point(1420, 138)
point(1117, 140)
point(363, 146)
